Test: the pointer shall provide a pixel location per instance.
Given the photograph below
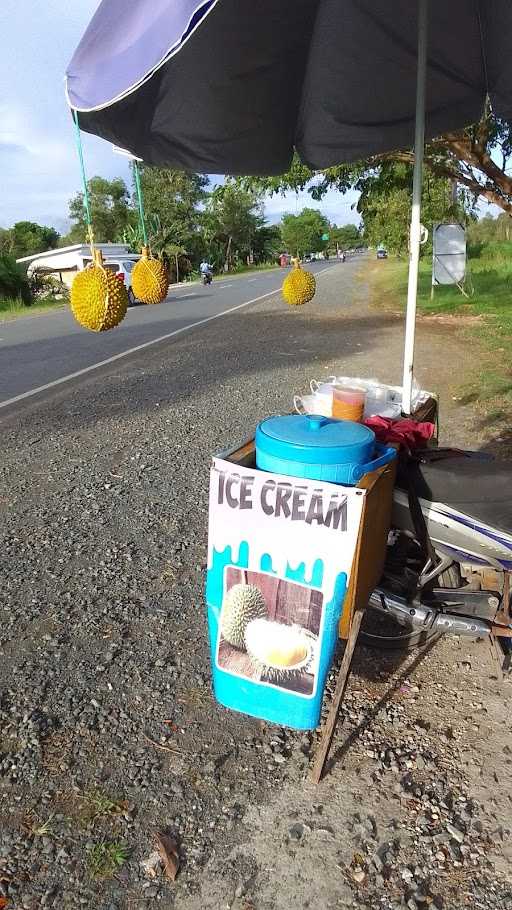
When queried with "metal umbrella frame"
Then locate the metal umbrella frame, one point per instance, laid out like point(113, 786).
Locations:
point(415, 228)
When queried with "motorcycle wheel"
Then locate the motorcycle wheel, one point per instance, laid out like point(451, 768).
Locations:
point(385, 634)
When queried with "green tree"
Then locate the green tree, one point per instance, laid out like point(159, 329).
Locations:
point(385, 205)
point(231, 222)
point(13, 280)
point(173, 203)
point(27, 237)
point(476, 159)
point(267, 243)
point(491, 229)
point(303, 233)
point(347, 236)
point(6, 241)
point(110, 211)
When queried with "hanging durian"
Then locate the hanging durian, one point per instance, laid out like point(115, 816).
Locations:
point(242, 604)
point(279, 652)
point(299, 286)
point(150, 281)
point(98, 299)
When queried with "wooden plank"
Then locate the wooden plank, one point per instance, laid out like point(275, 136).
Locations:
point(371, 545)
point(332, 718)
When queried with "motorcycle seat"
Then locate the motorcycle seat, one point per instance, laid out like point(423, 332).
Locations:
point(477, 487)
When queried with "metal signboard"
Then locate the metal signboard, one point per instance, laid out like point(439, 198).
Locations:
point(449, 253)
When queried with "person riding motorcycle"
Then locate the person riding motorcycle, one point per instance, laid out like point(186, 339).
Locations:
point(206, 271)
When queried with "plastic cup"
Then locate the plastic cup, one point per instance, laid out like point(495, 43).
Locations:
point(348, 404)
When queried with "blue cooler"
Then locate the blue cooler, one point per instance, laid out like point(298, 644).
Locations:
point(319, 448)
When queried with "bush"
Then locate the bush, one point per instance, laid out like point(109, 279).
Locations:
point(185, 267)
point(13, 281)
point(44, 285)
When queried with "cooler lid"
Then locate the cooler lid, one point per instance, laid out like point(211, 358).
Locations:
point(315, 439)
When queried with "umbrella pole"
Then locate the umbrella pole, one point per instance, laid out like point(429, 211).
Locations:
point(415, 229)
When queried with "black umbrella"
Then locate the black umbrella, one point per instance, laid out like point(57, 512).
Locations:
point(234, 86)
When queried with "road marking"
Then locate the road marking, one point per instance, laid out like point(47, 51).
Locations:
point(134, 350)
point(140, 347)
point(326, 269)
point(182, 296)
point(221, 286)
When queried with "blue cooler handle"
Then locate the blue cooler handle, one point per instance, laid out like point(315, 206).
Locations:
point(385, 454)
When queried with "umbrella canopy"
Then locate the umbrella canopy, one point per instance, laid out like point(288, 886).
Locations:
point(233, 86)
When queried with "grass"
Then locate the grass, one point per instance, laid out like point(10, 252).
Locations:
point(489, 307)
point(106, 857)
point(14, 308)
point(489, 274)
point(96, 804)
point(36, 828)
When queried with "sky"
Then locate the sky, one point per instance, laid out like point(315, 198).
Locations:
point(38, 162)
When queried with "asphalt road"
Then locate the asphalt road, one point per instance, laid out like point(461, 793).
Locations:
point(37, 352)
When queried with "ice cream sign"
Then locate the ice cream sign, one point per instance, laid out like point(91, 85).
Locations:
point(283, 499)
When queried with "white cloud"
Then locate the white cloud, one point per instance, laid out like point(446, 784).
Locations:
point(41, 169)
point(38, 159)
point(338, 207)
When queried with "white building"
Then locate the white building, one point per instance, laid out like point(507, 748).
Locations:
point(65, 262)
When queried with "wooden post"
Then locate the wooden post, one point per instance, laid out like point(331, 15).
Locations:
point(332, 717)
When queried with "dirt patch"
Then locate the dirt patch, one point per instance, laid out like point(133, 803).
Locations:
point(454, 319)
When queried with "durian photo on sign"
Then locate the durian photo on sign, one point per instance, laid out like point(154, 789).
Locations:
point(269, 630)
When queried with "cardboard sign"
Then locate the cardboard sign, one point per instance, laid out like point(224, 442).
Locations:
point(280, 553)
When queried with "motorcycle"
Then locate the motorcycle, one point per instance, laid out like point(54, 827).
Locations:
point(449, 557)
point(206, 278)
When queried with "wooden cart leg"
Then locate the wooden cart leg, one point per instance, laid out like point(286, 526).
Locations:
point(330, 724)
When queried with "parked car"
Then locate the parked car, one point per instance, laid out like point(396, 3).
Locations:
point(382, 253)
point(122, 268)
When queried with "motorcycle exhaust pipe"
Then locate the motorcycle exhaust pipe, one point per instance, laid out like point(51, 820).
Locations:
point(421, 617)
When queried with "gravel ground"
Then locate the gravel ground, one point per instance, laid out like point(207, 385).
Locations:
point(108, 729)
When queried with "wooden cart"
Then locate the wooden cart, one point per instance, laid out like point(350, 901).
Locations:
point(367, 566)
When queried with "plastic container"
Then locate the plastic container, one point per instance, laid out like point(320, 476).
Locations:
point(348, 403)
point(380, 401)
point(323, 396)
point(319, 448)
point(313, 404)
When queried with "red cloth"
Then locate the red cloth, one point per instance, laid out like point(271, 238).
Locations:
point(404, 431)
